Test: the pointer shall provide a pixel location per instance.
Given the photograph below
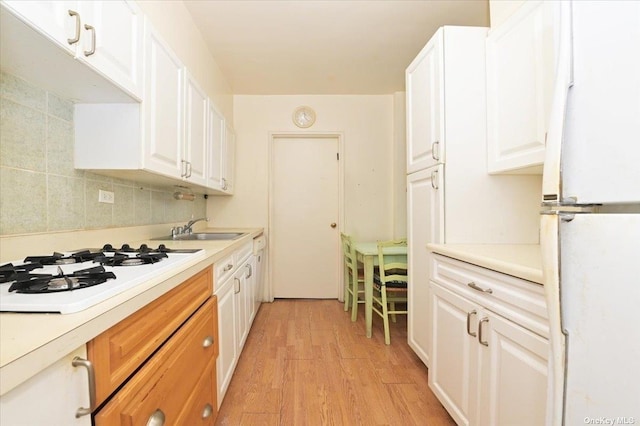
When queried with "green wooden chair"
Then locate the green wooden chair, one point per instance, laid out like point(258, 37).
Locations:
point(390, 284)
point(353, 277)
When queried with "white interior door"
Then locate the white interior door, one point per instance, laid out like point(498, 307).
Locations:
point(304, 215)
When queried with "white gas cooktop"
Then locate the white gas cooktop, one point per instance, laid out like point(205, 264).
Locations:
point(78, 299)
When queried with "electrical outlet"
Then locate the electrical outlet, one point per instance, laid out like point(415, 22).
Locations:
point(105, 197)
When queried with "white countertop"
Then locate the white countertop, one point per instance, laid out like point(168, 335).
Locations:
point(31, 342)
point(519, 260)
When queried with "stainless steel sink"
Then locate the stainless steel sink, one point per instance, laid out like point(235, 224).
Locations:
point(211, 236)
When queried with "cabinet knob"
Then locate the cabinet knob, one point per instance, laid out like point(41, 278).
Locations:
point(208, 341)
point(208, 411)
point(156, 419)
point(333, 225)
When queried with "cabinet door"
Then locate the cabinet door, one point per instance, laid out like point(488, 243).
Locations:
point(425, 131)
point(117, 38)
point(520, 70)
point(50, 18)
point(195, 150)
point(58, 392)
point(242, 293)
point(424, 225)
point(453, 374)
point(164, 108)
point(227, 337)
point(229, 158)
point(514, 374)
point(215, 145)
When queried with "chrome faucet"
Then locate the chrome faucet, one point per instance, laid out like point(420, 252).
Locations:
point(187, 228)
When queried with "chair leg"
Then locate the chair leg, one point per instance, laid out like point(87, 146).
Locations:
point(393, 308)
point(354, 301)
point(347, 284)
point(385, 316)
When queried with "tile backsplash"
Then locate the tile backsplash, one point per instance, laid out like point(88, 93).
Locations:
point(41, 191)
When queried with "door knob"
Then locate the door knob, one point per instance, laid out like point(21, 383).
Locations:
point(333, 225)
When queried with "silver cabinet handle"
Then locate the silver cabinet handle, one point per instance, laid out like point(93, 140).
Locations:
point(207, 342)
point(435, 150)
point(156, 419)
point(183, 168)
point(81, 362)
point(224, 183)
point(93, 40)
point(434, 179)
point(238, 281)
point(228, 267)
point(76, 15)
point(469, 314)
point(250, 270)
point(482, 342)
point(208, 411)
point(478, 288)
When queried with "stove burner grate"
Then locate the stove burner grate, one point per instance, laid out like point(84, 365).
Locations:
point(10, 272)
point(60, 259)
point(63, 282)
point(121, 259)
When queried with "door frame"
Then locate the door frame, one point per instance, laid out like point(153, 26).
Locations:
point(268, 293)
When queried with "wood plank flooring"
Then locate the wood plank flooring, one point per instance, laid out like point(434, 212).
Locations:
point(306, 363)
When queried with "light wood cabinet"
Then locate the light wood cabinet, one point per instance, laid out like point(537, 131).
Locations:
point(520, 74)
point(120, 350)
point(104, 35)
point(489, 347)
point(164, 387)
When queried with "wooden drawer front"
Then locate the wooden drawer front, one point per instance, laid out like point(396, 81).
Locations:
point(168, 381)
point(519, 300)
point(119, 351)
point(202, 408)
point(224, 268)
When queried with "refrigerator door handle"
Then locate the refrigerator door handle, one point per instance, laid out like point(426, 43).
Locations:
point(550, 251)
point(551, 177)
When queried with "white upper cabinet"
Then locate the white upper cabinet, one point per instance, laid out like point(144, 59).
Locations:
point(112, 30)
point(520, 70)
point(105, 35)
point(229, 158)
point(215, 143)
point(196, 137)
point(164, 108)
point(425, 146)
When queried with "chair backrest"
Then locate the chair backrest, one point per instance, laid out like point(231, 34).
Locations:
point(349, 254)
point(392, 268)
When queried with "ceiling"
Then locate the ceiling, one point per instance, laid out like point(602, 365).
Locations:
point(290, 47)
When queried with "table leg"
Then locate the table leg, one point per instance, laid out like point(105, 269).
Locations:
point(368, 293)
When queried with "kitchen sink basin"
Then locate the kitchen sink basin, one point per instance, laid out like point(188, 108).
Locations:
point(210, 236)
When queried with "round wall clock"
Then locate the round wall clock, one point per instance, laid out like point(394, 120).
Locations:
point(304, 116)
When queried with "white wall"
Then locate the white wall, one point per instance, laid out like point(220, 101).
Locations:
point(400, 165)
point(367, 125)
point(172, 20)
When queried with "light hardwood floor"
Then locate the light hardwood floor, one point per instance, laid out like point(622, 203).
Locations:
point(306, 363)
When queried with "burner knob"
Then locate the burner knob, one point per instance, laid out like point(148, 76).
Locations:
point(143, 248)
point(162, 247)
point(107, 247)
point(125, 247)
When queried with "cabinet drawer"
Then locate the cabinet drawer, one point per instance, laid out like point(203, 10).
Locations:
point(243, 253)
point(224, 268)
point(119, 351)
point(519, 300)
point(169, 380)
point(201, 409)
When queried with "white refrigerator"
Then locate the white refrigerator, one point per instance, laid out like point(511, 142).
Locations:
point(590, 221)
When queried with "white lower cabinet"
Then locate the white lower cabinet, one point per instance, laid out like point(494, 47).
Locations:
point(487, 368)
point(234, 284)
point(52, 397)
